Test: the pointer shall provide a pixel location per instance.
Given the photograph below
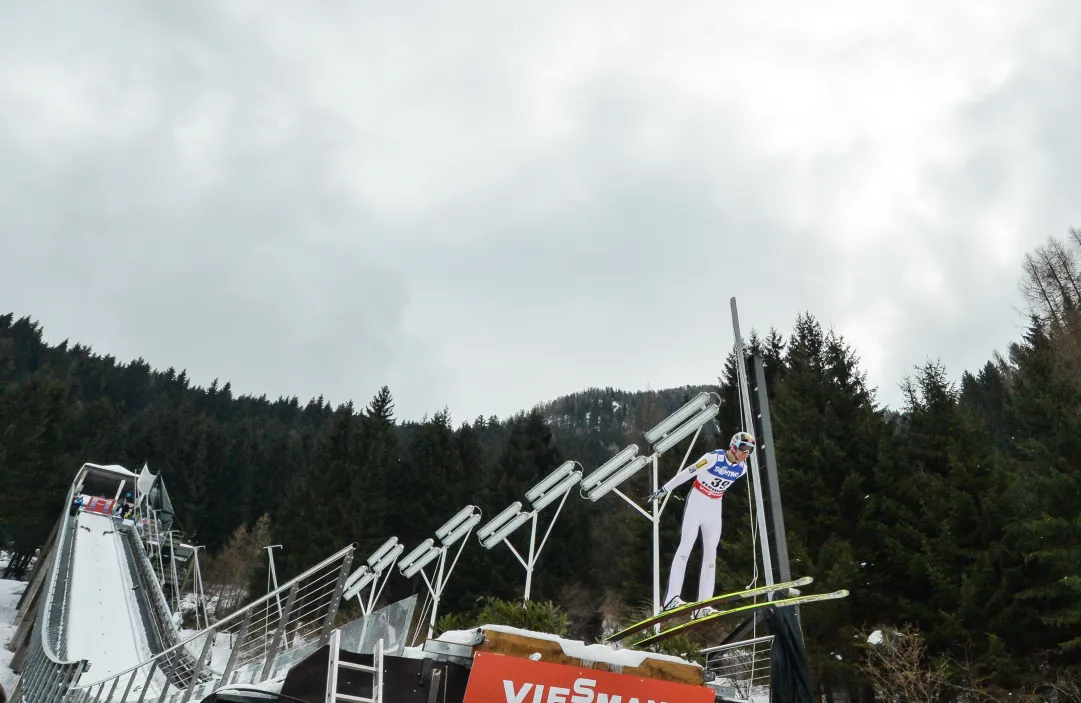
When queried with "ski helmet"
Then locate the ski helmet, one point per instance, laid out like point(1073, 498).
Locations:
point(742, 441)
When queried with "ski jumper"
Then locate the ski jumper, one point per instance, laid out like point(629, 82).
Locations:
point(712, 475)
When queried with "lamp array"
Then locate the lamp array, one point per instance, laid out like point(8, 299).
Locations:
point(372, 569)
point(607, 478)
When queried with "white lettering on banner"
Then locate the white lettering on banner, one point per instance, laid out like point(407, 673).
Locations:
point(583, 693)
point(557, 694)
point(512, 697)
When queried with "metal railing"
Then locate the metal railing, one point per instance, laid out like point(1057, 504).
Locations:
point(47, 677)
point(741, 667)
point(241, 648)
point(180, 662)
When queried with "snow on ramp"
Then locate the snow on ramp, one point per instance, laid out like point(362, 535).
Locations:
point(103, 627)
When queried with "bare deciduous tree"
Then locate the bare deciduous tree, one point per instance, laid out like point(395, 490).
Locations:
point(1051, 285)
point(228, 573)
point(899, 669)
point(1051, 278)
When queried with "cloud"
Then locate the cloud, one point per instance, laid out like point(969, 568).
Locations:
point(488, 205)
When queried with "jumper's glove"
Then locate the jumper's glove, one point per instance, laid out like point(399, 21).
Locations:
point(660, 492)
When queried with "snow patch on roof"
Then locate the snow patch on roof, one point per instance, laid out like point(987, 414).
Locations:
point(114, 468)
point(592, 652)
point(466, 637)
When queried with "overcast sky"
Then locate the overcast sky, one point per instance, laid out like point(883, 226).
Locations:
point(486, 205)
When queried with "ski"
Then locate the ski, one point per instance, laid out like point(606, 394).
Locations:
point(668, 614)
point(684, 627)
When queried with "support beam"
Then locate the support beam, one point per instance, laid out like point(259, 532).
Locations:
point(767, 455)
point(745, 405)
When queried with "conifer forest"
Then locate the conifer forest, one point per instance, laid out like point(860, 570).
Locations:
point(957, 515)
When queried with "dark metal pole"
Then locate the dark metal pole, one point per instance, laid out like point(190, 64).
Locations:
point(279, 633)
point(774, 511)
point(237, 644)
point(336, 599)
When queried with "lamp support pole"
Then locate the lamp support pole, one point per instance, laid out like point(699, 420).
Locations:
point(532, 555)
point(534, 551)
point(655, 518)
point(436, 587)
point(274, 574)
point(657, 536)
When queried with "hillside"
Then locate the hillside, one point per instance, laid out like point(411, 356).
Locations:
point(610, 411)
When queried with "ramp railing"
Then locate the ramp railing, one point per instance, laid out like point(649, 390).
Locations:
point(47, 677)
point(740, 669)
point(241, 648)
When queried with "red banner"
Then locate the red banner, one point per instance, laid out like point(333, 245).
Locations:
point(496, 678)
point(97, 504)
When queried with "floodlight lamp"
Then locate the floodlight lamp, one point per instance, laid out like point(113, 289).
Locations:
point(618, 478)
point(359, 585)
point(422, 549)
point(498, 521)
point(609, 467)
point(462, 529)
point(388, 559)
point(565, 485)
point(550, 480)
point(357, 575)
point(496, 537)
point(382, 551)
point(450, 525)
point(421, 563)
point(677, 417)
point(690, 426)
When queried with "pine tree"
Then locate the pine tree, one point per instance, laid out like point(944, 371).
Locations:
point(34, 416)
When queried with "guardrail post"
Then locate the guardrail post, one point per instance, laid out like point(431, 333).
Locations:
point(128, 688)
point(54, 691)
point(198, 668)
point(279, 633)
point(149, 678)
point(164, 690)
point(241, 634)
point(71, 677)
point(112, 689)
point(328, 624)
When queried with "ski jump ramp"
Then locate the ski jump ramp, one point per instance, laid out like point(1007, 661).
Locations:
point(103, 624)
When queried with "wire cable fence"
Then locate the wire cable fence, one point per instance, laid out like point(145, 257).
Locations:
point(743, 668)
point(47, 676)
point(162, 633)
point(243, 648)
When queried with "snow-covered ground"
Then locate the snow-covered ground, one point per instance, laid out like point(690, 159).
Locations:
point(103, 624)
point(9, 599)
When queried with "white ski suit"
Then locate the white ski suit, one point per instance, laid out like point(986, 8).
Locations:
point(712, 474)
